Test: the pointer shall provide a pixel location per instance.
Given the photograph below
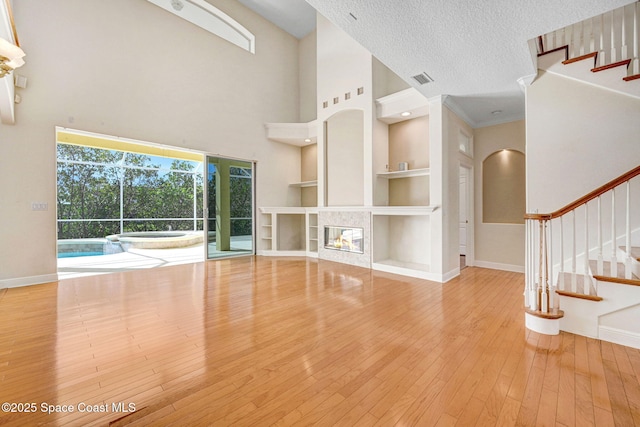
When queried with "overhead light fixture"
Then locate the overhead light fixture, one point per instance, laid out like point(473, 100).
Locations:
point(307, 140)
point(405, 113)
point(10, 57)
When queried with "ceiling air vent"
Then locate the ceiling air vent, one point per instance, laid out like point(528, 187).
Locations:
point(422, 78)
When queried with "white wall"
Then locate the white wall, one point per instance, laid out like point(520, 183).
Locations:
point(579, 137)
point(497, 245)
point(444, 186)
point(344, 154)
point(344, 66)
point(130, 69)
point(307, 67)
point(453, 126)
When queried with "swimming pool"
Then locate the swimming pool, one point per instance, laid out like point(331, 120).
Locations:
point(78, 254)
point(72, 248)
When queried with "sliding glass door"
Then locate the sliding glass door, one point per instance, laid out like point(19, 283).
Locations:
point(230, 207)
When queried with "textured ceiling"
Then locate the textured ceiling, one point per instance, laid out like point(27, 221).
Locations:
point(474, 50)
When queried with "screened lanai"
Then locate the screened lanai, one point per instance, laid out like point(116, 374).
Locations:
point(126, 205)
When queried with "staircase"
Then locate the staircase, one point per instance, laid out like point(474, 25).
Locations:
point(582, 267)
point(603, 50)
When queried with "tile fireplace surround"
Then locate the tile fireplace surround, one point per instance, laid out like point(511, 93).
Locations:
point(347, 219)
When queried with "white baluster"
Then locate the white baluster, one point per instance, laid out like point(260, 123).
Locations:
point(574, 277)
point(546, 41)
point(601, 49)
point(627, 261)
point(600, 257)
point(635, 64)
point(540, 266)
point(614, 240)
point(569, 40)
point(624, 52)
point(593, 36)
point(561, 274)
point(533, 293)
point(614, 45)
point(527, 263)
point(577, 40)
point(534, 266)
point(550, 266)
point(544, 302)
point(576, 45)
point(586, 281)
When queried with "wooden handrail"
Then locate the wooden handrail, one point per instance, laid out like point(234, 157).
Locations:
point(587, 198)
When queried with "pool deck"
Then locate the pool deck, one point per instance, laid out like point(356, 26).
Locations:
point(137, 259)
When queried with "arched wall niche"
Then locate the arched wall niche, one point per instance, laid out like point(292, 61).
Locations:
point(503, 187)
point(344, 158)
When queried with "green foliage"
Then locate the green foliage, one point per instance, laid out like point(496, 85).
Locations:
point(89, 182)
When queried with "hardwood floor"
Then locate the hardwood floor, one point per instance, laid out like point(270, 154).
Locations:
point(281, 341)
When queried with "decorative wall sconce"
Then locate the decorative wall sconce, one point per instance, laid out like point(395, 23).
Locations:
point(10, 57)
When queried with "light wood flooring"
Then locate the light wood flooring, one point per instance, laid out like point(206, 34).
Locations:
point(280, 341)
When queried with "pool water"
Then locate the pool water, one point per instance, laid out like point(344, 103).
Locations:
point(79, 254)
point(73, 248)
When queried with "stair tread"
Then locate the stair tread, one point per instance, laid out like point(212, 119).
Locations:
point(579, 295)
point(635, 250)
point(625, 63)
point(632, 77)
point(606, 273)
point(579, 283)
point(580, 58)
point(553, 314)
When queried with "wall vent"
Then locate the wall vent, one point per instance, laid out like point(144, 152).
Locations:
point(422, 78)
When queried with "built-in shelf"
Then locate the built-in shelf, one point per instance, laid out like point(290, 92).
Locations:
point(298, 134)
point(403, 210)
point(282, 236)
point(313, 183)
point(404, 174)
point(390, 108)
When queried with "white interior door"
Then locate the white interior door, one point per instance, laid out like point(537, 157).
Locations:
point(464, 208)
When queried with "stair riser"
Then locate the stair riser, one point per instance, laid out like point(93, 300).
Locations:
point(583, 317)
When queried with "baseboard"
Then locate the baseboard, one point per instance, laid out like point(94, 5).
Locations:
point(619, 336)
point(450, 275)
point(28, 281)
point(498, 266)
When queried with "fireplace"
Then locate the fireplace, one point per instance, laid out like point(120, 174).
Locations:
point(346, 239)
